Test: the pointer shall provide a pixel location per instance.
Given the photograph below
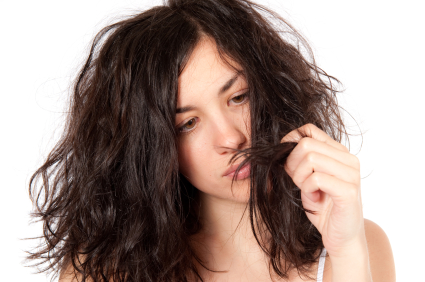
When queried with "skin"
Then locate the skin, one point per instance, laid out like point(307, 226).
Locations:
point(325, 171)
point(220, 122)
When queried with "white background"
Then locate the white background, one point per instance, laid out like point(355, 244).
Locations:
point(376, 49)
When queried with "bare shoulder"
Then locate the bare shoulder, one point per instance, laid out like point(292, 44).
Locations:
point(381, 257)
point(380, 253)
point(68, 275)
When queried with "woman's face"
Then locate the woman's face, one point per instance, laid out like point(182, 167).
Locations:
point(213, 118)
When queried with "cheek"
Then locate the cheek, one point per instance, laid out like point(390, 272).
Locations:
point(191, 158)
point(247, 122)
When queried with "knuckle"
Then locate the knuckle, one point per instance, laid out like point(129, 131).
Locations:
point(311, 157)
point(345, 148)
point(305, 144)
point(306, 130)
point(352, 192)
point(353, 176)
point(316, 179)
point(358, 179)
point(355, 161)
point(310, 126)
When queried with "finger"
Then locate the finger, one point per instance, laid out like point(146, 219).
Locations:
point(316, 162)
point(339, 190)
point(314, 132)
point(308, 144)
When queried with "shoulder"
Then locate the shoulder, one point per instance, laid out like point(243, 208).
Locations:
point(69, 274)
point(381, 258)
point(380, 253)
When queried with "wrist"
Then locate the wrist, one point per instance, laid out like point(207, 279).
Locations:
point(352, 264)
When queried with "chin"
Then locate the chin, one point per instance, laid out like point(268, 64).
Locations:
point(238, 192)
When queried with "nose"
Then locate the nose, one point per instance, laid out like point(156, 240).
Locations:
point(229, 135)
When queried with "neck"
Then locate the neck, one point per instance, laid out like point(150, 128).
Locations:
point(226, 241)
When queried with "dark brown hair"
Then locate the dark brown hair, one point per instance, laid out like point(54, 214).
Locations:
point(112, 200)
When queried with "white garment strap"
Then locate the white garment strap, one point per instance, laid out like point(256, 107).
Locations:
point(321, 265)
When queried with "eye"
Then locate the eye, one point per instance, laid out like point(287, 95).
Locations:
point(240, 99)
point(188, 126)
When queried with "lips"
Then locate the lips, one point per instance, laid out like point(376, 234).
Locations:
point(243, 172)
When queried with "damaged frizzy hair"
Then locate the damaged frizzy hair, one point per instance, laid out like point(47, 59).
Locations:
point(110, 195)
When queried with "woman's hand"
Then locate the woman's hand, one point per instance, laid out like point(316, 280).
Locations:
point(329, 179)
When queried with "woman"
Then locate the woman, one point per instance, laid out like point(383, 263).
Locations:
point(202, 145)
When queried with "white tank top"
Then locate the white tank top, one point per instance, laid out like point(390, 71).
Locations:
point(321, 265)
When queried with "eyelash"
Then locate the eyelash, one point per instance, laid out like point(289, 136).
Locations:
point(245, 95)
point(180, 129)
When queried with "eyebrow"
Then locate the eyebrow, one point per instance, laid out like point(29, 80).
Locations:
point(228, 84)
point(223, 89)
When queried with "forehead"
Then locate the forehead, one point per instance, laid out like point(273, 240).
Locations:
point(205, 72)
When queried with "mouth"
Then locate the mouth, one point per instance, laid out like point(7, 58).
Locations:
point(244, 172)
